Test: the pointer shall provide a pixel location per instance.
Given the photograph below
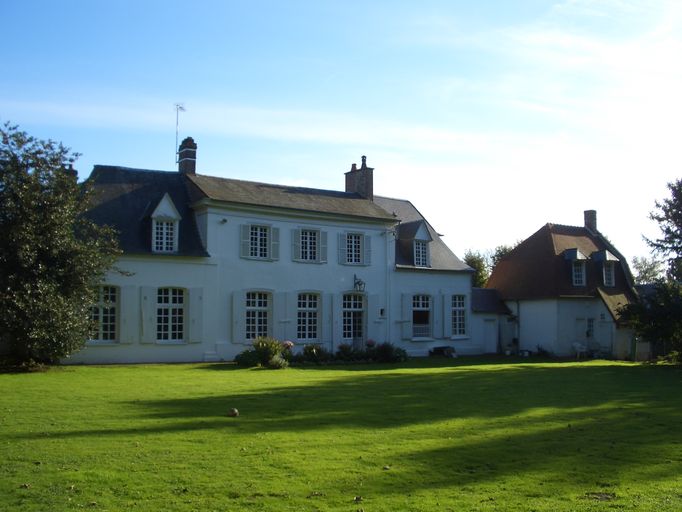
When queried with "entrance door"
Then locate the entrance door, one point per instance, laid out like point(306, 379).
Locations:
point(354, 320)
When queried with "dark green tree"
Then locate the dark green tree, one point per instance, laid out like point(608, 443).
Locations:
point(647, 270)
point(668, 214)
point(479, 263)
point(500, 252)
point(51, 256)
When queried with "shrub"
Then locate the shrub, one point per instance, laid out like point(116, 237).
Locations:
point(267, 348)
point(248, 358)
point(278, 362)
point(388, 353)
point(345, 352)
point(313, 353)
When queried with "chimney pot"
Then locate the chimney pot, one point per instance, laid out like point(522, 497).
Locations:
point(353, 168)
point(360, 181)
point(364, 162)
point(187, 156)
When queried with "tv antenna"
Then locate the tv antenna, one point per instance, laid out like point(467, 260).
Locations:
point(179, 107)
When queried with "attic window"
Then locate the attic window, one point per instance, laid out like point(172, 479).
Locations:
point(421, 253)
point(578, 273)
point(609, 273)
point(165, 226)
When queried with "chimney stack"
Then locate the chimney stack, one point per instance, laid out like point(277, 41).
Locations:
point(360, 181)
point(187, 156)
point(591, 220)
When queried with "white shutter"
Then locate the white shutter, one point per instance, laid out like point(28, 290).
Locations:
point(437, 316)
point(406, 321)
point(245, 240)
point(323, 247)
point(326, 318)
point(148, 307)
point(274, 243)
point(372, 316)
point(239, 316)
point(279, 315)
point(296, 244)
point(447, 316)
point(343, 238)
point(129, 319)
point(337, 321)
point(196, 315)
point(367, 247)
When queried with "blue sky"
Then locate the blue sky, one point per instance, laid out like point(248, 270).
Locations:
point(492, 117)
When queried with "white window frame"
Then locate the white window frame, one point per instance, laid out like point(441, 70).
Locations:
point(354, 248)
point(309, 245)
point(421, 253)
point(259, 242)
point(609, 273)
point(171, 315)
point(421, 304)
point(165, 235)
point(258, 314)
point(352, 304)
point(459, 316)
point(578, 273)
point(308, 316)
point(105, 314)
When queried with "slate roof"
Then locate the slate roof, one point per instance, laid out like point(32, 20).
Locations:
point(125, 198)
point(484, 300)
point(441, 257)
point(284, 196)
point(538, 269)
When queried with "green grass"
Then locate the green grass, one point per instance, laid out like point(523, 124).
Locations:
point(426, 435)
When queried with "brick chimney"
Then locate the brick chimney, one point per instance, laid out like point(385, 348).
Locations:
point(361, 180)
point(591, 220)
point(187, 156)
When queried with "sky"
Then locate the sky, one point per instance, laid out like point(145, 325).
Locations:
point(492, 117)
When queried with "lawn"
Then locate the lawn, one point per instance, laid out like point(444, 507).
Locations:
point(425, 435)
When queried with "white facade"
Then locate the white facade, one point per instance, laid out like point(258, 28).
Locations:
point(299, 294)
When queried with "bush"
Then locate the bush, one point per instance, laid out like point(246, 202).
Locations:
point(313, 353)
point(346, 352)
point(278, 362)
point(267, 348)
point(388, 353)
point(248, 358)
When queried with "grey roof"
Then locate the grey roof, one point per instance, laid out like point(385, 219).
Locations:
point(484, 300)
point(291, 197)
point(441, 257)
point(125, 198)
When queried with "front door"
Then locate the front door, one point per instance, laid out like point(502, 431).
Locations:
point(354, 320)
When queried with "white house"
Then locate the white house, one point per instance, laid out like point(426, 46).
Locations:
point(564, 286)
point(209, 264)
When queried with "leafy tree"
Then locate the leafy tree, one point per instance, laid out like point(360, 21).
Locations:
point(668, 214)
point(647, 270)
point(500, 252)
point(479, 263)
point(51, 256)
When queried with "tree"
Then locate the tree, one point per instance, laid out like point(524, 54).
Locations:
point(668, 214)
point(647, 270)
point(479, 263)
point(500, 252)
point(51, 256)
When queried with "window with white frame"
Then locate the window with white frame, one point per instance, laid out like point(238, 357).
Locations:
point(259, 241)
point(257, 314)
point(165, 235)
point(609, 273)
point(459, 326)
point(353, 314)
point(170, 314)
point(309, 246)
point(307, 319)
point(421, 258)
point(421, 316)
point(578, 273)
point(104, 315)
point(354, 248)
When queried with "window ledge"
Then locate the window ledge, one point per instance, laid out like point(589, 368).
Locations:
point(461, 337)
point(423, 339)
point(101, 343)
point(170, 342)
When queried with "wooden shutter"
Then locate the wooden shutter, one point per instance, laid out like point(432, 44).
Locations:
point(296, 244)
point(322, 255)
point(129, 319)
point(437, 316)
point(406, 321)
point(343, 238)
point(245, 241)
point(239, 316)
point(447, 316)
point(274, 243)
point(367, 247)
point(148, 306)
point(196, 315)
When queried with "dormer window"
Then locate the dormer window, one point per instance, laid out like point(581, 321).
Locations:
point(578, 273)
point(165, 226)
point(421, 253)
point(609, 273)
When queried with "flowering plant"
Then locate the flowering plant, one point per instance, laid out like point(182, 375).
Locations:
point(287, 345)
point(370, 343)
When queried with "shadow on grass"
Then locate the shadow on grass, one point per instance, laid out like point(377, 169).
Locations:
point(567, 417)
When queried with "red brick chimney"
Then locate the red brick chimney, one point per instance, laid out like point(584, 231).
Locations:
point(187, 156)
point(360, 181)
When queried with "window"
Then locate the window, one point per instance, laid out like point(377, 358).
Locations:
point(309, 246)
point(354, 249)
point(259, 242)
point(170, 314)
point(104, 315)
point(578, 273)
point(257, 315)
point(590, 328)
point(459, 315)
point(353, 312)
point(421, 316)
point(421, 254)
point(307, 323)
point(609, 273)
point(165, 235)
